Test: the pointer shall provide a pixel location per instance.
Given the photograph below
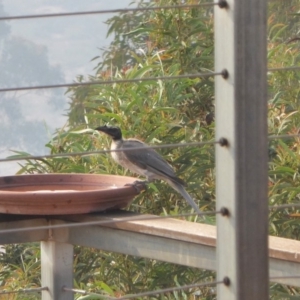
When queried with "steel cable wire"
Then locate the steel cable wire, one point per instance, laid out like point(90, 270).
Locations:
point(100, 82)
point(150, 293)
point(109, 11)
point(72, 154)
point(155, 292)
point(26, 290)
point(96, 152)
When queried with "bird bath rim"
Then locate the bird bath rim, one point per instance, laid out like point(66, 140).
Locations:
point(64, 193)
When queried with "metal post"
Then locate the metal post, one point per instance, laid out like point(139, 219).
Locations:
point(241, 118)
point(57, 270)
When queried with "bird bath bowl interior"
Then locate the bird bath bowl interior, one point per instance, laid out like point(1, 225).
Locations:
point(62, 194)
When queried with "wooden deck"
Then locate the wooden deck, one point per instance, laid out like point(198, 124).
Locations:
point(171, 240)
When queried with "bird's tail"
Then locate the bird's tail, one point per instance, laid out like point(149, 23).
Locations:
point(181, 190)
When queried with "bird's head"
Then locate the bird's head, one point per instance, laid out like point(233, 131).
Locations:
point(114, 132)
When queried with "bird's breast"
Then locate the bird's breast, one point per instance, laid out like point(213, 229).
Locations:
point(118, 156)
point(121, 158)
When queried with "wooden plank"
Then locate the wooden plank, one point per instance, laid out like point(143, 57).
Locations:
point(144, 245)
point(176, 241)
point(170, 240)
point(283, 268)
point(280, 248)
point(284, 249)
point(169, 228)
point(25, 236)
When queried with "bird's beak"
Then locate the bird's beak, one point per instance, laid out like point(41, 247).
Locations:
point(101, 128)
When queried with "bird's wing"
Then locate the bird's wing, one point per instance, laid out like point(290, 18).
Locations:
point(147, 158)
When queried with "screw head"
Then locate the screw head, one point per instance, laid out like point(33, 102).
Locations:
point(224, 211)
point(223, 4)
point(226, 281)
point(225, 74)
point(223, 142)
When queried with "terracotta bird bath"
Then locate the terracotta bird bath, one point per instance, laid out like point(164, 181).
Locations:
point(62, 194)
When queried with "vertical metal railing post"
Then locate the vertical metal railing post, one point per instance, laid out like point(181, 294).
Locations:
point(241, 118)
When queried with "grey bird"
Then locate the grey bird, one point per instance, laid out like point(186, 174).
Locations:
point(146, 161)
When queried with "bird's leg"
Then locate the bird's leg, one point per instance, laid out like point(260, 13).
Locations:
point(138, 185)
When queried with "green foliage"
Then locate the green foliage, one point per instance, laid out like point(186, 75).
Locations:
point(19, 269)
point(118, 274)
point(284, 117)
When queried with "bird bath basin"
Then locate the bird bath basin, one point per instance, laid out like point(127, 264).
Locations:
point(62, 194)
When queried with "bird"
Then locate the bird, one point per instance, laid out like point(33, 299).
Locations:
point(144, 161)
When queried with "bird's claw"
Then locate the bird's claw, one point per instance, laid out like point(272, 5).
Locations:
point(138, 185)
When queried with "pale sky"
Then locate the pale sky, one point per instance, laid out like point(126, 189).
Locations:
point(71, 43)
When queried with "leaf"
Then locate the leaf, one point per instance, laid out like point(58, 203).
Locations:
point(283, 170)
point(19, 154)
point(139, 73)
point(137, 31)
point(106, 288)
point(88, 130)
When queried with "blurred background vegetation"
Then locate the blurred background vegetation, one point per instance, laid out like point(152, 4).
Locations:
point(165, 43)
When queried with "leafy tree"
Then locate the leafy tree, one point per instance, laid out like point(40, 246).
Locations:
point(156, 111)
